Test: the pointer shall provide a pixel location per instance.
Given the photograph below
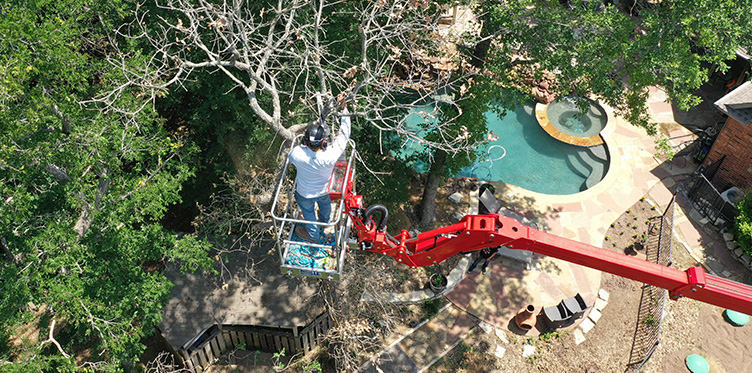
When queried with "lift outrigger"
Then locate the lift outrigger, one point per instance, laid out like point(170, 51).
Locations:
point(355, 227)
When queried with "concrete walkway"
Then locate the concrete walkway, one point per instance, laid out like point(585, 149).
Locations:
point(491, 300)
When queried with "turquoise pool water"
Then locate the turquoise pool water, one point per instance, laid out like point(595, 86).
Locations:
point(564, 113)
point(523, 155)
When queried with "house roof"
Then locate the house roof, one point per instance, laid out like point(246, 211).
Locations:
point(738, 103)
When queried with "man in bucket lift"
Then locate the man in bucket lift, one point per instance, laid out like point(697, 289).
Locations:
point(315, 161)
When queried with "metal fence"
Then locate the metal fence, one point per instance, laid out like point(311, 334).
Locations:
point(713, 168)
point(709, 201)
point(650, 315)
point(201, 351)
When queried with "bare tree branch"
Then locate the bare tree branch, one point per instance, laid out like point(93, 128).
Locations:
point(281, 57)
point(165, 363)
point(57, 172)
point(51, 339)
point(4, 247)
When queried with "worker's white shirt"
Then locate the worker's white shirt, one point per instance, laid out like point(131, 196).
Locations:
point(315, 168)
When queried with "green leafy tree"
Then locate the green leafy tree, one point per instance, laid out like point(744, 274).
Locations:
point(381, 178)
point(468, 118)
point(82, 190)
point(613, 53)
point(230, 140)
point(743, 224)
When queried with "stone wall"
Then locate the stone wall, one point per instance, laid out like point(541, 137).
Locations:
point(735, 142)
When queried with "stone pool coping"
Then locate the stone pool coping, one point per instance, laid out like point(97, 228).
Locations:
point(541, 114)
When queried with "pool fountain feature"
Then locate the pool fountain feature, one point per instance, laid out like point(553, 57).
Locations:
point(574, 120)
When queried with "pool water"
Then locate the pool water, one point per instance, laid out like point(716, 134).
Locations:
point(565, 114)
point(523, 155)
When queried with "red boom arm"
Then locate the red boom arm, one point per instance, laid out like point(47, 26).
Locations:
point(475, 232)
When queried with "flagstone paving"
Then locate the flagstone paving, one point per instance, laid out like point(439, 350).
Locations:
point(494, 298)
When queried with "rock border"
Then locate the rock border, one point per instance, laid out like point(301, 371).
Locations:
point(453, 279)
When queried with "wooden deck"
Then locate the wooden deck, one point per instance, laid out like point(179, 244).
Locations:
point(249, 290)
point(204, 349)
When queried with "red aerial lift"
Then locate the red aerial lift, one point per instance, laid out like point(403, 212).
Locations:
point(475, 232)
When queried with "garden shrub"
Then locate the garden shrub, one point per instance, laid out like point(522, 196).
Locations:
point(743, 224)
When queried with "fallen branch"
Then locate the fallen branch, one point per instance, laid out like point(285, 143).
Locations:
point(52, 340)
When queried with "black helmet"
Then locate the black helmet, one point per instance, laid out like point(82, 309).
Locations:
point(315, 136)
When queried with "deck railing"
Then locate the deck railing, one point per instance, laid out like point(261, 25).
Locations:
point(216, 340)
point(708, 200)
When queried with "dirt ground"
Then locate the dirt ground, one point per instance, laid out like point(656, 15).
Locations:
point(447, 212)
point(688, 327)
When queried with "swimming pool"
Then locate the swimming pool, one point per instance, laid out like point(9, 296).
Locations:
point(526, 156)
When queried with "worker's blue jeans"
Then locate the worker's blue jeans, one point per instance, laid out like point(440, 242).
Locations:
point(308, 208)
point(477, 261)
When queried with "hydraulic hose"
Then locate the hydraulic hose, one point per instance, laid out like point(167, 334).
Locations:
point(384, 216)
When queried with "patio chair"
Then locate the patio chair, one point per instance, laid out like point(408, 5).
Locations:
point(556, 316)
point(576, 306)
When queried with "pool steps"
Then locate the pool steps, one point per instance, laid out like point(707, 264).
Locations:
point(599, 171)
point(578, 166)
point(597, 158)
point(591, 164)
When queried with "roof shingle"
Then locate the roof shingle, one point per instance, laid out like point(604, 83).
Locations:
point(738, 103)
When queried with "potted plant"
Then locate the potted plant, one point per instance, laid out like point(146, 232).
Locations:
point(437, 282)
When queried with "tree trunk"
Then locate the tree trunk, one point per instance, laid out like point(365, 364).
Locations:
point(427, 209)
point(481, 48)
point(480, 52)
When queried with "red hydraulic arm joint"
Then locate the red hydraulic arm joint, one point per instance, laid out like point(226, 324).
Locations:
point(475, 232)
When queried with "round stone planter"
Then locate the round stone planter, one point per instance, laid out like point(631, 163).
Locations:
point(437, 282)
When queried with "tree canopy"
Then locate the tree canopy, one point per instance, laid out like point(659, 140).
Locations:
point(82, 192)
point(615, 50)
point(109, 109)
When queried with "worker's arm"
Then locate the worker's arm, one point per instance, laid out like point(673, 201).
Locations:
point(344, 133)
